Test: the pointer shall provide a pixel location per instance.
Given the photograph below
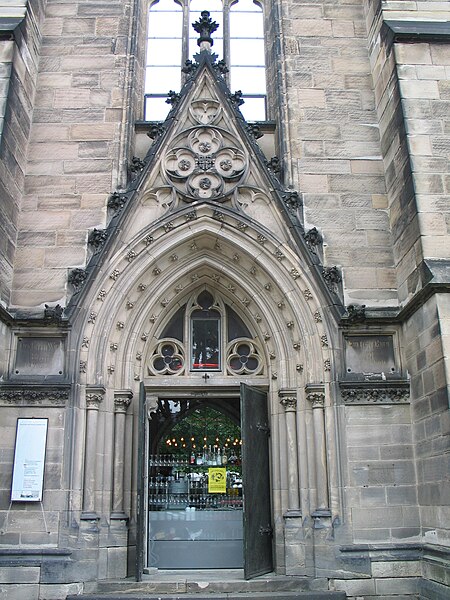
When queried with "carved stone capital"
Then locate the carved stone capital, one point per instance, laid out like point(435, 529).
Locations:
point(315, 394)
point(317, 399)
point(288, 399)
point(122, 400)
point(94, 397)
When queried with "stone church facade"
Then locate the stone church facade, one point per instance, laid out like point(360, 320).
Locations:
point(324, 228)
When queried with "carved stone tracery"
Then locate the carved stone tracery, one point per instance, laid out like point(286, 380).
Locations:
point(205, 163)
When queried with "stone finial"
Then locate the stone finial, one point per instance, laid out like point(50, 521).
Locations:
point(205, 26)
point(221, 67)
point(332, 277)
point(254, 130)
point(136, 165)
point(116, 201)
point(293, 200)
point(155, 131)
point(189, 67)
point(274, 165)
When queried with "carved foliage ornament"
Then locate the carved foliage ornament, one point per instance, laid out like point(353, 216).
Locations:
point(205, 164)
point(30, 397)
point(289, 402)
point(383, 395)
point(122, 402)
point(93, 400)
point(317, 399)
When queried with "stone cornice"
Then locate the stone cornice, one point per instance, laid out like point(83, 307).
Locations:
point(419, 31)
point(12, 13)
point(34, 395)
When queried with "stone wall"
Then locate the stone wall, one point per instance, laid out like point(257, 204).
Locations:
point(330, 132)
point(426, 350)
point(19, 54)
point(400, 190)
point(6, 56)
point(381, 481)
point(423, 72)
point(411, 84)
point(75, 157)
point(24, 525)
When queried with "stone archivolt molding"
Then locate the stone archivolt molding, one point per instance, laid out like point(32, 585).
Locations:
point(124, 277)
point(205, 163)
point(376, 395)
point(27, 396)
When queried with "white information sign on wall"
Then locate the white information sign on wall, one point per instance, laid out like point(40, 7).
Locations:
point(29, 460)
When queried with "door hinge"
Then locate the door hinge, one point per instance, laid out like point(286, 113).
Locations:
point(266, 530)
point(263, 428)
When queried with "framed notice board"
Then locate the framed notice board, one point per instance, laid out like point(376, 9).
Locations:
point(29, 460)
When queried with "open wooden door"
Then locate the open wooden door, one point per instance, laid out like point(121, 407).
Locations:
point(256, 482)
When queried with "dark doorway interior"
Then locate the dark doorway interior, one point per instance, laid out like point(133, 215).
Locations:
point(208, 497)
point(195, 485)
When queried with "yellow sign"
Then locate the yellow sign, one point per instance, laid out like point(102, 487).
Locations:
point(217, 480)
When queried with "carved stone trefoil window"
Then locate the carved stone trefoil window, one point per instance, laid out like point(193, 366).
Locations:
point(243, 358)
point(205, 334)
point(168, 358)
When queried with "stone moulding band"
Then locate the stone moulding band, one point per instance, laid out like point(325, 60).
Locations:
point(21, 396)
point(376, 395)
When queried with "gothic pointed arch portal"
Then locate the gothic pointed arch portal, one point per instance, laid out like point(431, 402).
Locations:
point(205, 226)
point(135, 307)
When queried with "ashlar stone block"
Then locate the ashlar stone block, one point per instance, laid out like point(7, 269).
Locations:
point(419, 89)
point(413, 54)
point(19, 591)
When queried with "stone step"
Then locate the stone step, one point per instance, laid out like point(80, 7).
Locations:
point(210, 583)
point(210, 586)
point(306, 595)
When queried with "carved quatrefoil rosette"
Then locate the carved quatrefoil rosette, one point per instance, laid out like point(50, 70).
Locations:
point(205, 163)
